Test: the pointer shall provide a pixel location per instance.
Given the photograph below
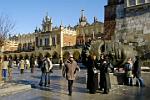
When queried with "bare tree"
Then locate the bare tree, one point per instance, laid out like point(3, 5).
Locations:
point(6, 27)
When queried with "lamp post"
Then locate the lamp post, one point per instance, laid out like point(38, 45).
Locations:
point(61, 43)
point(93, 35)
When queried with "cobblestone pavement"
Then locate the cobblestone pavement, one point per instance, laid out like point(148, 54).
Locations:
point(58, 89)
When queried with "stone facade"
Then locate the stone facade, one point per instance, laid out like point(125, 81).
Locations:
point(86, 31)
point(132, 22)
point(46, 41)
point(50, 40)
point(10, 46)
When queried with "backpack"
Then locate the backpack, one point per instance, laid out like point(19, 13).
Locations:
point(128, 67)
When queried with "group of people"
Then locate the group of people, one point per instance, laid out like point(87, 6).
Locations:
point(46, 66)
point(70, 68)
point(133, 71)
point(23, 64)
point(102, 65)
point(8, 64)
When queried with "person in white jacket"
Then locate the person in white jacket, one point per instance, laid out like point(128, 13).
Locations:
point(4, 69)
point(47, 67)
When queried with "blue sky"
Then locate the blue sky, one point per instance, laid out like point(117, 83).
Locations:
point(27, 14)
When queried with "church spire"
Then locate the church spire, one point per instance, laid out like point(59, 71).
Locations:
point(82, 13)
point(82, 19)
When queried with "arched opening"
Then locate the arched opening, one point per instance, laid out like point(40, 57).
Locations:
point(26, 56)
point(19, 47)
point(32, 56)
point(5, 58)
point(47, 55)
point(77, 55)
point(15, 57)
point(40, 56)
point(20, 57)
point(65, 55)
point(55, 57)
point(10, 56)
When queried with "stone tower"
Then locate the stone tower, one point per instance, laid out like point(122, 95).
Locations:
point(82, 19)
point(47, 24)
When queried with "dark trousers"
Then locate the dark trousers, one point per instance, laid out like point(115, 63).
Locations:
point(101, 83)
point(70, 84)
point(42, 78)
point(21, 71)
point(106, 89)
point(4, 73)
point(32, 70)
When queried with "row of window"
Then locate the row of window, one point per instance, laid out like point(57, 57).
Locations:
point(26, 46)
point(46, 42)
point(89, 31)
point(133, 2)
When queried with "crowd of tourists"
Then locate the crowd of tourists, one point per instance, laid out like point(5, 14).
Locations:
point(95, 69)
point(22, 64)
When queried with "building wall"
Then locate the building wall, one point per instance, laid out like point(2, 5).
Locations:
point(69, 40)
point(26, 41)
point(84, 32)
point(135, 26)
point(10, 46)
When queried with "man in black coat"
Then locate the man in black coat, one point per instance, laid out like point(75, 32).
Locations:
point(100, 62)
point(105, 75)
point(137, 67)
point(137, 72)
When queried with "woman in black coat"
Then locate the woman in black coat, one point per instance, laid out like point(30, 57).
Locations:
point(105, 75)
point(91, 79)
point(100, 62)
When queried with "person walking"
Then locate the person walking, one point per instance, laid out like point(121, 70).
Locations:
point(0, 69)
point(69, 71)
point(4, 69)
point(18, 63)
point(27, 64)
point(32, 64)
point(105, 69)
point(10, 66)
point(137, 72)
point(36, 62)
point(92, 79)
point(48, 67)
point(41, 65)
point(100, 62)
point(22, 66)
point(128, 72)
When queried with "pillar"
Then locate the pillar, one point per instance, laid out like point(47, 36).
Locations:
point(136, 2)
point(61, 42)
point(128, 3)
